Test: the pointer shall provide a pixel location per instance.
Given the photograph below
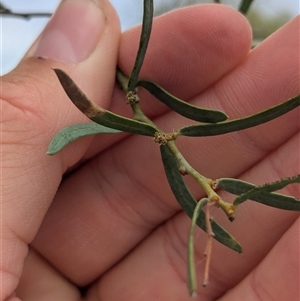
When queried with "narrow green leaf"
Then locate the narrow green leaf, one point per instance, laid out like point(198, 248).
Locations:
point(144, 40)
point(100, 115)
point(244, 6)
point(183, 108)
point(192, 278)
point(241, 123)
point(262, 194)
point(74, 132)
point(124, 124)
point(188, 202)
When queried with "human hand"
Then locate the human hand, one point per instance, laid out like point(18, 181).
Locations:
point(112, 225)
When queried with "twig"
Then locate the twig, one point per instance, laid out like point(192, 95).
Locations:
point(192, 276)
point(9, 13)
point(208, 248)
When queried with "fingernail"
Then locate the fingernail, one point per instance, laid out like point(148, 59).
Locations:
point(73, 31)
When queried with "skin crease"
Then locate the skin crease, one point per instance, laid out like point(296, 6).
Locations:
point(112, 225)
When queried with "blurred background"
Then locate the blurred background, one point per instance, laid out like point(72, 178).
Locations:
point(17, 33)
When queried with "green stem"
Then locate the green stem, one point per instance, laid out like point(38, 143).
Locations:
point(184, 166)
point(122, 80)
point(192, 276)
point(187, 168)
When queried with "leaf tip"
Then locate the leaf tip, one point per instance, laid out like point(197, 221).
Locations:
point(50, 153)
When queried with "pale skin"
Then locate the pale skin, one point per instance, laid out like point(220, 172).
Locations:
point(112, 225)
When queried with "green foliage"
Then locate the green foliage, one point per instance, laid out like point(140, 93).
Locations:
point(213, 122)
point(99, 115)
point(144, 40)
point(241, 123)
point(262, 194)
point(188, 202)
point(74, 132)
point(183, 108)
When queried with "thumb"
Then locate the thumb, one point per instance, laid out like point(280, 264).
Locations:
point(82, 39)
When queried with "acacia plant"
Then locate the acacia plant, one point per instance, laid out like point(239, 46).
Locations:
point(205, 122)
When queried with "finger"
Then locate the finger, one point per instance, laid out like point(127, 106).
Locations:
point(40, 281)
point(81, 34)
point(276, 277)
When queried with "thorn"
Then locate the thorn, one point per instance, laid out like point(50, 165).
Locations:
point(183, 171)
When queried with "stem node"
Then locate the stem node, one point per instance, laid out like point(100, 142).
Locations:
point(132, 98)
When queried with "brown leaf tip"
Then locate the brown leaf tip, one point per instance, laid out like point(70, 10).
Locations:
point(79, 99)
